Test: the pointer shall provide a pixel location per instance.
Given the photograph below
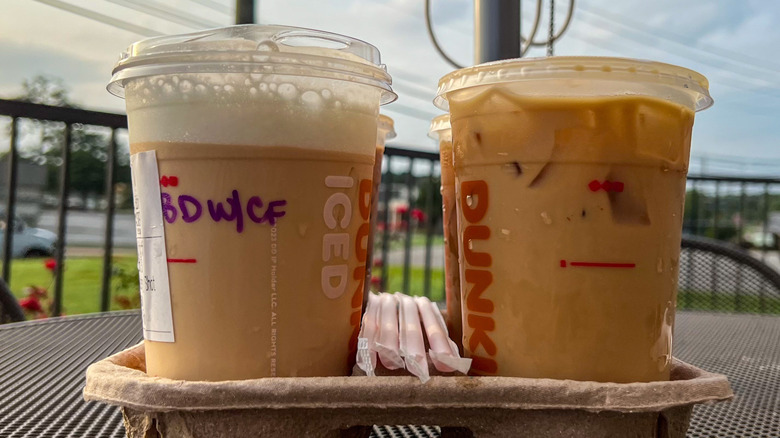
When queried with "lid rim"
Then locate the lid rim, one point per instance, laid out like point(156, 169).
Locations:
point(576, 67)
point(199, 52)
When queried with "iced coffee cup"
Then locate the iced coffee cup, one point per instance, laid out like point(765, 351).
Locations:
point(570, 172)
point(441, 131)
point(385, 131)
point(252, 152)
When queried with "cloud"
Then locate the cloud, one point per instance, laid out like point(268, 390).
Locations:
point(727, 41)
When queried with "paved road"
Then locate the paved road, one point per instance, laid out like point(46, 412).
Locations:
point(396, 257)
point(87, 228)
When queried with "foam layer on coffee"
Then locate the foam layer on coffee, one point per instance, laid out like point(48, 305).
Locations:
point(253, 109)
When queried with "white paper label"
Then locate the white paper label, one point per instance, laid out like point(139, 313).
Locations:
point(152, 259)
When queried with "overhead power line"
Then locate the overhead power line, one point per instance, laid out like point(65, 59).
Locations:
point(105, 19)
point(161, 11)
point(759, 85)
point(663, 35)
point(215, 6)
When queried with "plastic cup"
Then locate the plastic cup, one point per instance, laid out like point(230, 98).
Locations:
point(570, 173)
point(441, 131)
point(385, 131)
point(260, 142)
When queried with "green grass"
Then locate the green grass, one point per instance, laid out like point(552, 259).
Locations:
point(81, 284)
point(704, 300)
point(416, 283)
point(398, 240)
point(81, 289)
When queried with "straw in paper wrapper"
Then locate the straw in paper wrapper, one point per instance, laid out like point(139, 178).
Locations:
point(443, 351)
point(387, 346)
point(411, 337)
point(366, 356)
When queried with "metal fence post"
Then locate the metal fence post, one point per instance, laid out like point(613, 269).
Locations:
point(429, 207)
point(59, 255)
point(108, 243)
point(409, 231)
point(10, 209)
point(387, 181)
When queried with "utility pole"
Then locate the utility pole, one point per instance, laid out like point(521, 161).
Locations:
point(496, 30)
point(245, 11)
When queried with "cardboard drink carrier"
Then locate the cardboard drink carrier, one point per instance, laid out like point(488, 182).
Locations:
point(462, 406)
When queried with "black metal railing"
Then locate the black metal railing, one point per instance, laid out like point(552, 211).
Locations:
point(418, 171)
point(725, 208)
point(17, 110)
point(731, 208)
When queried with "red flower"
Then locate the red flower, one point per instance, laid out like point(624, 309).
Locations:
point(31, 304)
point(376, 281)
point(418, 215)
point(50, 264)
point(36, 292)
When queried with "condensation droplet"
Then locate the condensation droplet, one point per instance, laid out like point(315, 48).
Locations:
point(185, 86)
point(659, 267)
point(229, 88)
point(287, 91)
point(326, 94)
point(168, 88)
point(312, 98)
point(272, 87)
point(337, 104)
point(471, 245)
point(200, 88)
point(160, 82)
point(175, 80)
point(147, 92)
point(546, 218)
point(267, 46)
point(302, 228)
point(247, 82)
point(470, 200)
point(253, 91)
point(257, 77)
point(263, 87)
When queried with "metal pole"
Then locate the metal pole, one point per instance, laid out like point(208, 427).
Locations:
point(496, 30)
point(245, 11)
point(10, 209)
point(108, 245)
point(56, 308)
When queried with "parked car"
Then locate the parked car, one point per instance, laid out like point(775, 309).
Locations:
point(28, 241)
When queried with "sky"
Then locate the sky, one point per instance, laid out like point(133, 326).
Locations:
point(732, 42)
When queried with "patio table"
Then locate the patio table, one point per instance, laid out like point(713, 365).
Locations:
point(42, 366)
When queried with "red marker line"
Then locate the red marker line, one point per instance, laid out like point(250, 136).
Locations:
point(598, 264)
point(182, 261)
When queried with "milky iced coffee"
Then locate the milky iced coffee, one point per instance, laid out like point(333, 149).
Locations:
point(385, 131)
point(441, 131)
point(252, 152)
point(570, 174)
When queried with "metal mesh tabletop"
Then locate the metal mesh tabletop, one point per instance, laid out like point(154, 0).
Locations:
point(42, 366)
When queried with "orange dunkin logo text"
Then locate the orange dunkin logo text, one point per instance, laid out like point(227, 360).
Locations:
point(479, 308)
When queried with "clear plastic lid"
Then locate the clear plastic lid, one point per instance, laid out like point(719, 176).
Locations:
point(262, 49)
point(438, 125)
point(586, 76)
point(387, 125)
